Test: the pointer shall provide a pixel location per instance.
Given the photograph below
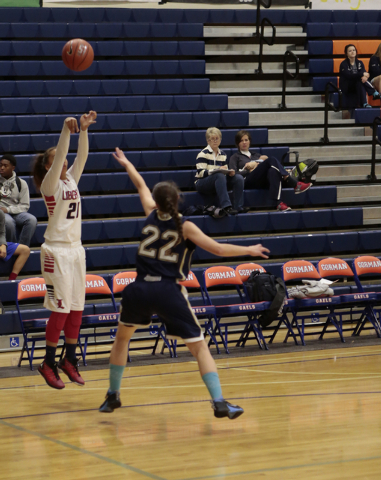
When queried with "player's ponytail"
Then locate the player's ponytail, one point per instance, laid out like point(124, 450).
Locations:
point(39, 171)
point(166, 196)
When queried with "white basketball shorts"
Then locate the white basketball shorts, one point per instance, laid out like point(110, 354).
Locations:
point(64, 270)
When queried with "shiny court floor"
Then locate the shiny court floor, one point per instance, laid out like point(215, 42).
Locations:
point(308, 415)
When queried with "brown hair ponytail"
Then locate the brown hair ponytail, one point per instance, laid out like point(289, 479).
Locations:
point(166, 196)
point(39, 171)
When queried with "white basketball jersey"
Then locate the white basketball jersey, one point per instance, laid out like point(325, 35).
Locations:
point(64, 211)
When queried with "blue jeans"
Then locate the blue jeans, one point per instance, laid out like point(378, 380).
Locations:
point(25, 222)
point(219, 184)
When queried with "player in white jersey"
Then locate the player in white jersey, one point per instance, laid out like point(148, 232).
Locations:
point(63, 262)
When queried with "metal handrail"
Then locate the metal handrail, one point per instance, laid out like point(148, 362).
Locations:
point(329, 106)
point(377, 121)
point(286, 73)
point(259, 3)
point(263, 39)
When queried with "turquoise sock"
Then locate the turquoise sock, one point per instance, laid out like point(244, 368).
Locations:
point(115, 376)
point(212, 383)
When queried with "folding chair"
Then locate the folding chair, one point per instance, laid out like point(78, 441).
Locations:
point(354, 303)
point(368, 265)
point(156, 329)
point(33, 330)
point(97, 285)
point(244, 271)
point(204, 312)
point(222, 276)
point(302, 309)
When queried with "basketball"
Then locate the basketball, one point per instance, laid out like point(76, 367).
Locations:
point(77, 54)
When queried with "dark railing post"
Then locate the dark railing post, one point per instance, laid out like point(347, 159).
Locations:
point(329, 106)
point(263, 39)
point(375, 141)
point(286, 73)
point(264, 4)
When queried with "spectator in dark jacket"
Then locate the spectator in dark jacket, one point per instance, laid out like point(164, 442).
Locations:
point(354, 81)
point(262, 172)
point(375, 69)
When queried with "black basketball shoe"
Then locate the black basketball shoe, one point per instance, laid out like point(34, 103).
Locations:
point(225, 409)
point(111, 403)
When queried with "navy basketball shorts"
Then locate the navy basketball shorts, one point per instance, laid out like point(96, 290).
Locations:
point(167, 299)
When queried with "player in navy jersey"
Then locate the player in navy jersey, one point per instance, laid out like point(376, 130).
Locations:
point(164, 258)
point(63, 262)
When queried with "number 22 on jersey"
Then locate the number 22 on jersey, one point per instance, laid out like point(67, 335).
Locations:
point(162, 253)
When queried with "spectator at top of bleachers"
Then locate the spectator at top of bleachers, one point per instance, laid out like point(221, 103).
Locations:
point(354, 80)
point(210, 179)
point(14, 202)
point(375, 69)
point(262, 172)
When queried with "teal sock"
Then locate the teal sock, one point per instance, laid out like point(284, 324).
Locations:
point(212, 383)
point(115, 376)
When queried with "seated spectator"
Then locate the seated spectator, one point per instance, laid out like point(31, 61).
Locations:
point(354, 81)
point(262, 172)
point(375, 69)
point(210, 180)
point(14, 202)
point(7, 250)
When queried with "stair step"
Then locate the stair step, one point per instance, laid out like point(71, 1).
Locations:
point(295, 118)
point(249, 50)
point(273, 101)
point(249, 31)
point(358, 193)
point(371, 214)
point(335, 173)
point(292, 136)
point(338, 153)
point(245, 69)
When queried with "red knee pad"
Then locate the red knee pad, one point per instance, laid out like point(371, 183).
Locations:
point(54, 326)
point(73, 324)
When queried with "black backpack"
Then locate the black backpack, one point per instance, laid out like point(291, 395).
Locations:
point(265, 287)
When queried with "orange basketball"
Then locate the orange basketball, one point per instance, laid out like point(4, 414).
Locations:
point(77, 54)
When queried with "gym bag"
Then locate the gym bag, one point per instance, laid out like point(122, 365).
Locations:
point(265, 287)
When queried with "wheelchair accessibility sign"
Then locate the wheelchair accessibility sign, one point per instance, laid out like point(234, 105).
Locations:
point(14, 342)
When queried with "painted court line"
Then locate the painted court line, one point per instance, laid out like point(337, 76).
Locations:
point(220, 367)
point(279, 469)
point(230, 399)
point(82, 450)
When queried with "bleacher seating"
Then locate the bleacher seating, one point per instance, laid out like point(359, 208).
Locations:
point(154, 100)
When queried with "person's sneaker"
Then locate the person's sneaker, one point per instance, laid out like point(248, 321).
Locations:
point(231, 211)
point(366, 105)
point(111, 403)
point(376, 96)
point(243, 209)
point(70, 367)
point(51, 376)
point(282, 207)
point(225, 409)
point(302, 187)
point(219, 213)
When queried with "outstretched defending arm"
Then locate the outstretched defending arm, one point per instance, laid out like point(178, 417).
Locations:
point(144, 192)
point(191, 231)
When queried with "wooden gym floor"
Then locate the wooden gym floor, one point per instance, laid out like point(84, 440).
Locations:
point(308, 415)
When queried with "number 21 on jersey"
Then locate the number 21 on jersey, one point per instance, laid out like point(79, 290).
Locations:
point(73, 210)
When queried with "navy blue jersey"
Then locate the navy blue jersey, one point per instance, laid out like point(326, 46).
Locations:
point(157, 255)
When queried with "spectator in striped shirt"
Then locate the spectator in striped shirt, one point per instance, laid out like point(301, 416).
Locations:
point(213, 176)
